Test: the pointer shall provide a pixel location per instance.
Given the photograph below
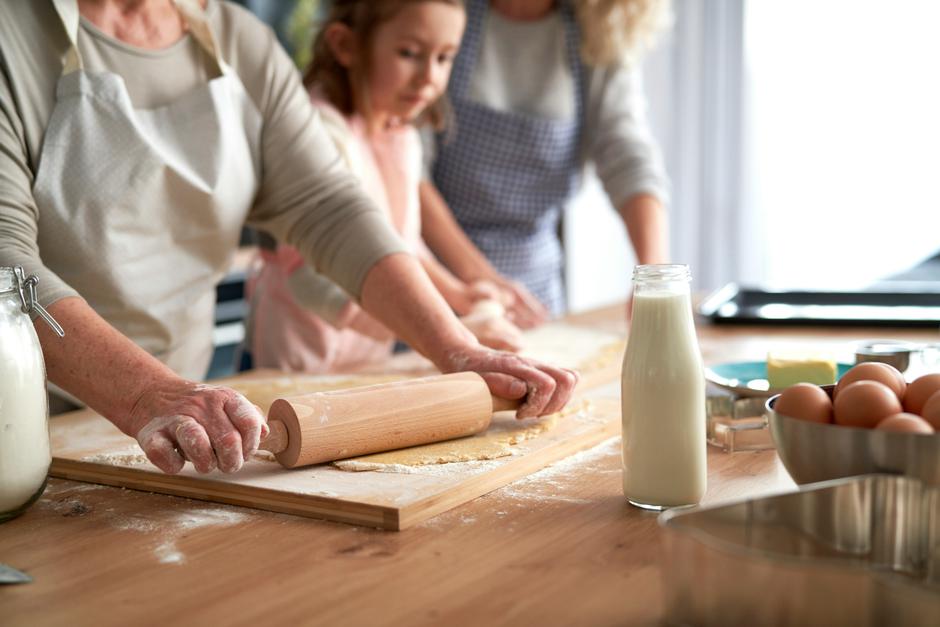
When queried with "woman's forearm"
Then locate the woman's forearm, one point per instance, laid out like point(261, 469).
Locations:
point(398, 292)
point(96, 363)
point(648, 228)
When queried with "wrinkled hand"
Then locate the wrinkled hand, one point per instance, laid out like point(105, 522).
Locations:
point(547, 389)
point(211, 426)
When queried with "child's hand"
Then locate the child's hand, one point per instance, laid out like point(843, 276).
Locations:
point(522, 307)
point(488, 323)
point(482, 289)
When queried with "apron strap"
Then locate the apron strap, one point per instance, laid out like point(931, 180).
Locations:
point(197, 21)
point(68, 13)
point(193, 15)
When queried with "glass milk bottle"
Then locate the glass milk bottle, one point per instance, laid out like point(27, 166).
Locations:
point(24, 429)
point(663, 394)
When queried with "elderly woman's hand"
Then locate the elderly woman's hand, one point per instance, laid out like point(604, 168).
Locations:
point(211, 426)
point(546, 389)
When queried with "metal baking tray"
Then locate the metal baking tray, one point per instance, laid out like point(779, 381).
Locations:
point(860, 551)
point(733, 304)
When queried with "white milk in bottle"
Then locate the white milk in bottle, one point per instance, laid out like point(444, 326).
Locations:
point(24, 432)
point(663, 394)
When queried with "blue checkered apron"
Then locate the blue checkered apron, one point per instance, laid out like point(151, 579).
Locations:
point(507, 176)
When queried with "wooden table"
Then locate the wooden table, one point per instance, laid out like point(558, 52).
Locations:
point(561, 547)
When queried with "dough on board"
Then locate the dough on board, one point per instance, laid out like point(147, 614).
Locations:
point(504, 433)
point(584, 349)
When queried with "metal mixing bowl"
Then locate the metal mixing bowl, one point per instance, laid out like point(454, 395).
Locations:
point(859, 551)
point(813, 452)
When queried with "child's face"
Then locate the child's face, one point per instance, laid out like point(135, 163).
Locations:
point(411, 60)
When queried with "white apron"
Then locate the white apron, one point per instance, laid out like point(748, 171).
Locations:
point(162, 192)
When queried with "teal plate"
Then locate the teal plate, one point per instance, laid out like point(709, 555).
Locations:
point(749, 378)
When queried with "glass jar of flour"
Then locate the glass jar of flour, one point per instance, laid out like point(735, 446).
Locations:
point(24, 429)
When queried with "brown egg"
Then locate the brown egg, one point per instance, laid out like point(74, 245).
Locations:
point(806, 402)
point(865, 404)
point(919, 391)
point(931, 410)
point(873, 371)
point(904, 423)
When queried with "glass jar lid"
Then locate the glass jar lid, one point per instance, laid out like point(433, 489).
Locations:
point(14, 280)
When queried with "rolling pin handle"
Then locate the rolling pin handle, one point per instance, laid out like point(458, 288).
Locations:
point(505, 404)
point(277, 439)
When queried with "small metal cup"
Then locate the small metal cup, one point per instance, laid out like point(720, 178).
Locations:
point(892, 352)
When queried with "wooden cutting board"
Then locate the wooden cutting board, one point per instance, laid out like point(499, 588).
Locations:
point(86, 447)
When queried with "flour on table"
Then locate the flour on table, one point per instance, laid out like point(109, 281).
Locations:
point(497, 441)
point(129, 456)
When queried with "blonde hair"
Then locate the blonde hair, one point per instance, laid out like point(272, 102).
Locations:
point(345, 88)
point(619, 31)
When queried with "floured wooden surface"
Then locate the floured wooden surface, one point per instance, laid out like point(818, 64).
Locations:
point(88, 448)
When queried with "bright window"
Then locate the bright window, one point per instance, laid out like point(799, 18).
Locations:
point(843, 137)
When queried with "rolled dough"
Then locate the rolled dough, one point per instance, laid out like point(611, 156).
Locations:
point(504, 433)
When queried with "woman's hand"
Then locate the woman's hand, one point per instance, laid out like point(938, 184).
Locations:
point(546, 389)
point(211, 426)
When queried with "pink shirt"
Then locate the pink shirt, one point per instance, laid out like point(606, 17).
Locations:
point(286, 335)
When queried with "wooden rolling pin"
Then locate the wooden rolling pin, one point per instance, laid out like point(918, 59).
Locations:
point(326, 426)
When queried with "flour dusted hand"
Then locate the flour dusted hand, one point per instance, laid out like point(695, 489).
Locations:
point(547, 389)
point(211, 426)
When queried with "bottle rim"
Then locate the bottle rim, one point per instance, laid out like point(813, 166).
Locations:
point(662, 272)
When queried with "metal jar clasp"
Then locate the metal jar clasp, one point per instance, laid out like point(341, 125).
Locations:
point(26, 286)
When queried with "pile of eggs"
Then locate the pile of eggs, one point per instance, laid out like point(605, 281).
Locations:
point(871, 395)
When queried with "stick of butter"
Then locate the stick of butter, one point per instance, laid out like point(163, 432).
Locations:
point(786, 370)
